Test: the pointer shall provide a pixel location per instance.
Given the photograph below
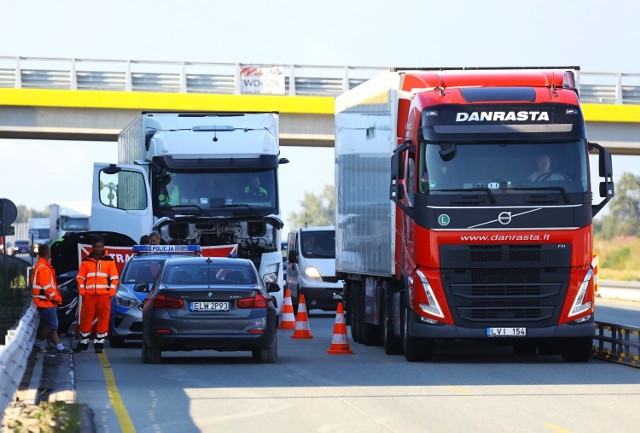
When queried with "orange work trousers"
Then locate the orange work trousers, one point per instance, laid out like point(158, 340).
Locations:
point(94, 314)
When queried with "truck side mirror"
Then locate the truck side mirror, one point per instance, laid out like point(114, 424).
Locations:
point(396, 189)
point(605, 170)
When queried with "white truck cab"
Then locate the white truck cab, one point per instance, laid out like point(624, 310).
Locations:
point(209, 179)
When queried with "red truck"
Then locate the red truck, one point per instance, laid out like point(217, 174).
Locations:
point(464, 210)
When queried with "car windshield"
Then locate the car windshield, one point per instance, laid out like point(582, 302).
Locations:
point(319, 244)
point(209, 275)
point(502, 167)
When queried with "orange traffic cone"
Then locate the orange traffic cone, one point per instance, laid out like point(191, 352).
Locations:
point(339, 341)
point(288, 320)
point(302, 321)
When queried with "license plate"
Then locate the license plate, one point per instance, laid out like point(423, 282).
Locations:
point(209, 306)
point(506, 332)
point(337, 296)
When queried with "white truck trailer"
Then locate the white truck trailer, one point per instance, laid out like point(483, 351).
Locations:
point(68, 216)
point(198, 178)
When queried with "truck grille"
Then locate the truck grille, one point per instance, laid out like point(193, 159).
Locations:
point(505, 285)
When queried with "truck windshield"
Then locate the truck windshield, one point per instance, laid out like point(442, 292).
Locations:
point(212, 190)
point(503, 167)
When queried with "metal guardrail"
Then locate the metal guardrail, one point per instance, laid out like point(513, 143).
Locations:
point(616, 343)
point(14, 354)
point(224, 78)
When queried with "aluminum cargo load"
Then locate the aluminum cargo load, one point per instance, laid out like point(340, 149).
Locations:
point(366, 134)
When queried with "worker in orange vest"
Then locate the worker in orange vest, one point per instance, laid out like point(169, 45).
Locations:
point(46, 297)
point(97, 283)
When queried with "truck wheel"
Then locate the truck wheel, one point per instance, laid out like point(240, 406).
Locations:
point(577, 349)
point(392, 344)
point(354, 312)
point(415, 349)
point(370, 334)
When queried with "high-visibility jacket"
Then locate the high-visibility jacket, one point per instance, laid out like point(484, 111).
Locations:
point(97, 276)
point(44, 288)
point(166, 198)
point(261, 192)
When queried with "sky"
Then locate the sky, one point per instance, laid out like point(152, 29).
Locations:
point(597, 36)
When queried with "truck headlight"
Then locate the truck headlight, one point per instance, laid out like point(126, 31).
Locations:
point(433, 307)
point(578, 307)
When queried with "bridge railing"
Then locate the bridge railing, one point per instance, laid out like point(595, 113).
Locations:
point(224, 78)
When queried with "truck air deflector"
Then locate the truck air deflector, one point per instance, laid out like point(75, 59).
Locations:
point(486, 94)
point(502, 129)
point(229, 163)
point(525, 122)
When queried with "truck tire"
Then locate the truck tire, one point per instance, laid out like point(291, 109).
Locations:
point(415, 349)
point(353, 312)
point(392, 344)
point(577, 349)
point(369, 333)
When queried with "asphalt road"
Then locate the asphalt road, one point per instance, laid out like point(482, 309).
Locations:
point(468, 387)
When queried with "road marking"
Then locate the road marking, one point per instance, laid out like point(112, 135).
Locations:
point(126, 425)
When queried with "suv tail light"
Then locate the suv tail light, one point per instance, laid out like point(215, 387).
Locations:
point(257, 301)
point(163, 301)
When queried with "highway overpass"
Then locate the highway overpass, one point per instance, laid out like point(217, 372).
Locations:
point(92, 100)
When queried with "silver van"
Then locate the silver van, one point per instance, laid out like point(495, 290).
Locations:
point(311, 268)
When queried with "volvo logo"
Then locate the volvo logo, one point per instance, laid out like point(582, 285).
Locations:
point(504, 218)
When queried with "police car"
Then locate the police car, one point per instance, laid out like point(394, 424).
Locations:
point(136, 280)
